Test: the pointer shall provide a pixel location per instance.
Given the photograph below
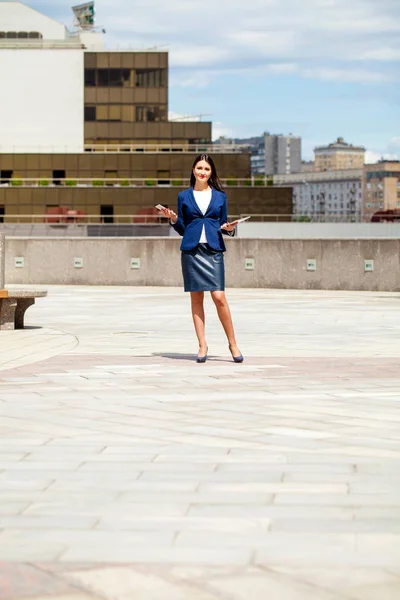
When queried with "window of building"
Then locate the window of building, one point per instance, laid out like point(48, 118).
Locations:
point(90, 77)
point(5, 176)
point(150, 113)
point(128, 113)
point(2, 213)
point(102, 112)
point(113, 77)
point(107, 213)
point(110, 177)
point(90, 113)
point(115, 112)
point(150, 78)
point(58, 175)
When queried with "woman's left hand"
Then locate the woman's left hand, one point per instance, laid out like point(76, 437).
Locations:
point(229, 226)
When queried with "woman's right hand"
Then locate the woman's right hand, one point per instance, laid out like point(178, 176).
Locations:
point(170, 215)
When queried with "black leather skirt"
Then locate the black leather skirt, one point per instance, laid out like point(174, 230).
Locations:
point(203, 269)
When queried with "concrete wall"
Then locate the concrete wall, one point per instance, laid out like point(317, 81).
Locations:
point(295, 231)
point(278, 263)
point(42, 109)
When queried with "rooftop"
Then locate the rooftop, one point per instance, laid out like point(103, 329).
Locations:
point(127, 466)
point(340, 144)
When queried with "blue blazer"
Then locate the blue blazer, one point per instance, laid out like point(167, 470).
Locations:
point(191, 220)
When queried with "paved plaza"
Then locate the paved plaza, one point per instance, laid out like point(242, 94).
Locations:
point(130, 472)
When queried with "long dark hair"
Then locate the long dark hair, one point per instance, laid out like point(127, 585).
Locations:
point(214, 181)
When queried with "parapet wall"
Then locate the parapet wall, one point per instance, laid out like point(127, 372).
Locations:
point(339, 264)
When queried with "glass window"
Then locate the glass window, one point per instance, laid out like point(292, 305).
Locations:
point(115, 112)
point(127, 113)
point(102, 112)
point(113, 77)
point(150, 113)
point(90, 77)
point(140, 112)
point(150, 78)
point(90, 113)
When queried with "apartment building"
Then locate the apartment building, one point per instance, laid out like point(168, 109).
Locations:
point(335, 195)
point(381, 186)
point(339, 156)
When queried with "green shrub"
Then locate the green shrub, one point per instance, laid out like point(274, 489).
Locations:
point(259, 182)
point(71, 182)
point(231, 182)
point(125, 183)
point(247, 182)
point(98, 182)
point(270, 182)
point(302, 219)
point(177, 182)
point(44, 182)
point(16, 182)
point(150, 182)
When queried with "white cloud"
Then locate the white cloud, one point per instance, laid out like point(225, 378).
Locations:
point(322, 39)
point(232, 30)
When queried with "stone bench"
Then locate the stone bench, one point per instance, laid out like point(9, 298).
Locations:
point(13, 305)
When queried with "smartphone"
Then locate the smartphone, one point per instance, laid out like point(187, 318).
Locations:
point(160, 207)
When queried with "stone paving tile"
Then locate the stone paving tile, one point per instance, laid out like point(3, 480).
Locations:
point(20, 581)
point(123, 451)
point(125, 584)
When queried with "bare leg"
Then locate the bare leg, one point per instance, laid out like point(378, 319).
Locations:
point(197, 300)
point(225, 317)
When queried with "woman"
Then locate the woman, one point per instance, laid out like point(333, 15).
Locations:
point(201, 219)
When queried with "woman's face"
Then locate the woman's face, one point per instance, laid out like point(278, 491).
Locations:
point(202, 171)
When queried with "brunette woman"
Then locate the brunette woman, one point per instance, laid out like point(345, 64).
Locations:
point(202, 219)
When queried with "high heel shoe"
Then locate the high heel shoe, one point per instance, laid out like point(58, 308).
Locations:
point(202, 359)
point(237, 359)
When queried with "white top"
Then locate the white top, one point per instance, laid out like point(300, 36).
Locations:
point(203, 200)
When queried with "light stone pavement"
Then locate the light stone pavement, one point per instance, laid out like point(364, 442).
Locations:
point(129, 472)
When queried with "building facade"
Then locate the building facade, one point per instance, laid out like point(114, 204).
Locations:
point(328, 196)
point(381, 185)
point(339, 156)
point(282, 154)
point(87, 129)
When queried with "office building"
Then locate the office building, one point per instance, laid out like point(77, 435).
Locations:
point(339, 156)
point(87, 128)
point(381, 185)
point(282, 154)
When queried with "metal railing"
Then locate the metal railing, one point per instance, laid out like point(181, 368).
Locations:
point(73, 218)
point(205, 148)
point(135, 182)
point(31, 43)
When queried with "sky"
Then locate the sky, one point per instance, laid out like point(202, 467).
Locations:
point(320, 69)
